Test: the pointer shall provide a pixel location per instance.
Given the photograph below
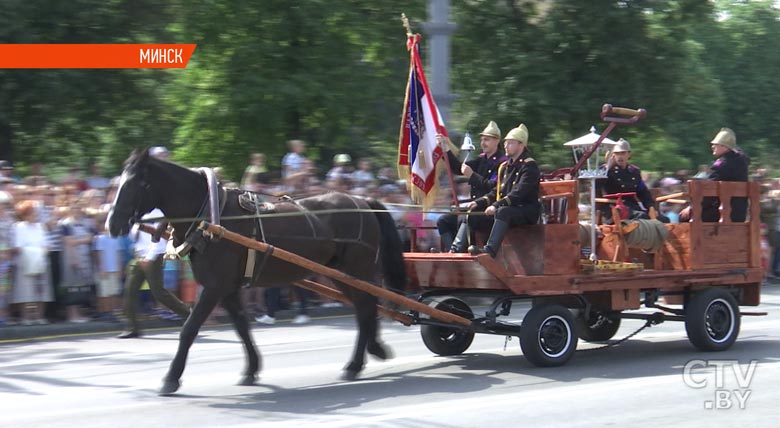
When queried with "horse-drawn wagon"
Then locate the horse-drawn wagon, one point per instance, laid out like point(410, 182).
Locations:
point(701, 274)
point(696, 272)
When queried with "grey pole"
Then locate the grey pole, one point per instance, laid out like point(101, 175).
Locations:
point(438, 30)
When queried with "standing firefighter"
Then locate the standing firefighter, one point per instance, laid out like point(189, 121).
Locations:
point(482, 173)
point(731, 164)
point(515, 199)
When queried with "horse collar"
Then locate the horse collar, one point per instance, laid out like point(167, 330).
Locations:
point(216, 198)
point(215, 204)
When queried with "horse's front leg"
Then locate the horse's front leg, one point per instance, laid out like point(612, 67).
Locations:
point(232, 304)
point(208, 300)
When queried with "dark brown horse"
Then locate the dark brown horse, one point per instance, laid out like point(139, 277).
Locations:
point(355, 241)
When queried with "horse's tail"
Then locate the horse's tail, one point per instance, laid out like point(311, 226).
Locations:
point(391, 248)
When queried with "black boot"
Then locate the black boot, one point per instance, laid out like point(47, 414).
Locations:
point(494, 242)
point(459, 244)
point(446, 240)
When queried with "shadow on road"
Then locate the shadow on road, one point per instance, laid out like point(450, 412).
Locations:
point(469, 373)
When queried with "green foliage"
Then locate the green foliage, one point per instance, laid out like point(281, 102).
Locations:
point(68, 116)
point(333, 73)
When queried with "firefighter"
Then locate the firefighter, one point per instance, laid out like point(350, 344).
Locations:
point(731, 164)
point(515, 199)
point(623, 177)
point(482, 173)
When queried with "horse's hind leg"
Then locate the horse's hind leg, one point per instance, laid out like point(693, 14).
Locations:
point(232, 304)
point(208, 300)
point(375, 347)
point(365, 314)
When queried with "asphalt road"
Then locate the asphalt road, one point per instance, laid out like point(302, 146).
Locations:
point(98, 381)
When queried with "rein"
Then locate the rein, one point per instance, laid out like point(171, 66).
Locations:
point(296, 214)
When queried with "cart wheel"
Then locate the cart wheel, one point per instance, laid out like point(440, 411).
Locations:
point(712, 320)
point(448, 340)
point(598, 327)
point(547, 335)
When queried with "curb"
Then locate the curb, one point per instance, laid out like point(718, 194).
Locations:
point(31, 333)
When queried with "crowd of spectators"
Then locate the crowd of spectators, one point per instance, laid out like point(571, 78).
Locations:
point(57, 263)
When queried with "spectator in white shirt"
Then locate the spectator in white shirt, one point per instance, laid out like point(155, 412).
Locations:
point(147, 264)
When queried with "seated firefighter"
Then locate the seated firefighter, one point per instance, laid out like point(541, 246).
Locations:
point(623, 177)
point(515, 199)
point(482, 173)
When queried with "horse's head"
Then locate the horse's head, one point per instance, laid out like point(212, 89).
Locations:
point(135, 196)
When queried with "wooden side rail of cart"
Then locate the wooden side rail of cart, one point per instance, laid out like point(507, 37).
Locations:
point(698, 245)
point(559, 199)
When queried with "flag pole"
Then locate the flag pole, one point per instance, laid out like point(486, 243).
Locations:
point(445, 158)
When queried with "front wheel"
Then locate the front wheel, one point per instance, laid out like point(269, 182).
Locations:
point(448, 341)
point(547, 335)
point(712, 319)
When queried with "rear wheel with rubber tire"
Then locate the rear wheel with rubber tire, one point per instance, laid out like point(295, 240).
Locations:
point(712, 319)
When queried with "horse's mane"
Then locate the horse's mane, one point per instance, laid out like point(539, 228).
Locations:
point(137, 157)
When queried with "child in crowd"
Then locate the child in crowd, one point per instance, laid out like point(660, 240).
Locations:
point(108, 265)
point(6, 230)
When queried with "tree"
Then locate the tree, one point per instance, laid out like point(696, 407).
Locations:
point(331, 73)
point(69, 116)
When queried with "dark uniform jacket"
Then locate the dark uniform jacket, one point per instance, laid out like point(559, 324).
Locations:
point(483, 180)
point(731, 166)
point(519, 185)
point(625, 180)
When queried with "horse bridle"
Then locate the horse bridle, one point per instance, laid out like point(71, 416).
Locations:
point(143, 188)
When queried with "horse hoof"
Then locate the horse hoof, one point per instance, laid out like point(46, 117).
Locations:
point(248, 380)
point(169, 387)
point(381, 352)
point(349, 375)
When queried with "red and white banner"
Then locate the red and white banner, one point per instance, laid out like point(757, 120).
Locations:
point(418, 152)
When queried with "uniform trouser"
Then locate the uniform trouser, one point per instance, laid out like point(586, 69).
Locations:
point(448, 223)
point(512, 215)
point(480, 222)
point(516, 215)
point(154, 276)
point(711, 213)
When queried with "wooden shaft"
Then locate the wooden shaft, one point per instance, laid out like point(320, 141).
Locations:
point(338, 295)
point(316, 287)
point(623, 111)
point(159, 230)
point(335, 274)
point(557, 195)
point(148, 228)
point(671, 196)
